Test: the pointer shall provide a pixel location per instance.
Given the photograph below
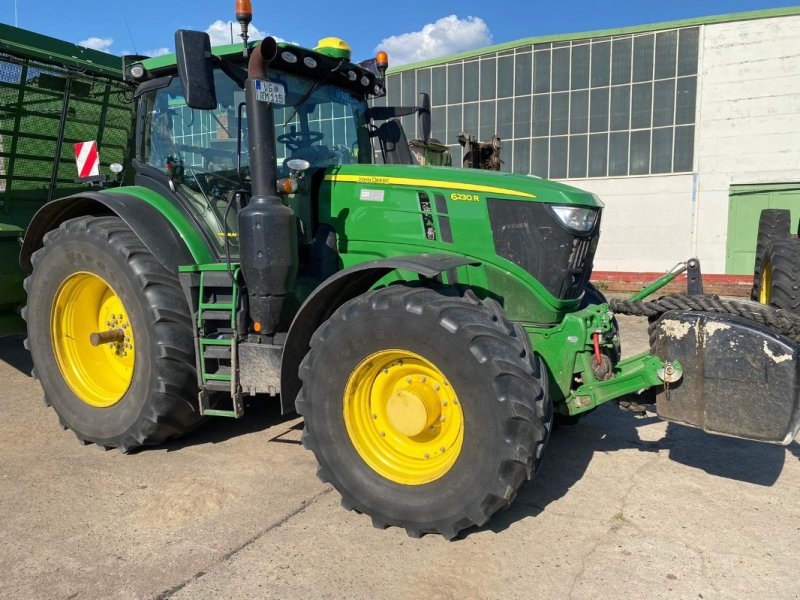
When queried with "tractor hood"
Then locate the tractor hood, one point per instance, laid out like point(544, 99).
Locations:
point(471, 183)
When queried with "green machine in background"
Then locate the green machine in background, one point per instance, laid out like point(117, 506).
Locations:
point(427, 322)
point(53, 94)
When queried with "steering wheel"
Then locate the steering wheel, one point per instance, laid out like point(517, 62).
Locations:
point(294, 140)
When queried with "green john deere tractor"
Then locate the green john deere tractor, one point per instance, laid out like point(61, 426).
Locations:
point(428, 322)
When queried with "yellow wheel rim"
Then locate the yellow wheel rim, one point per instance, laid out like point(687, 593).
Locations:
point(403, 417)
point(86, 304)
point(766, 284)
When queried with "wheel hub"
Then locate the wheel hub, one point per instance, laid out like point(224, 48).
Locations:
point(93, 340)
point(403, 417)
point(406, 412)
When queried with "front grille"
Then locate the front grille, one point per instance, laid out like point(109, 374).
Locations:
point(528, 234)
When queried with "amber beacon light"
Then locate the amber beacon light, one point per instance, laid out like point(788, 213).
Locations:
point(244, 14)
point(382, 62)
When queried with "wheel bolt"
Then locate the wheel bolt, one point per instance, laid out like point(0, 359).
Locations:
point(423, 379)
point(444, 402)
point(374, 416)
point(436, 387)
point(441, 419)
point(441, 449)
point(383, 434)
point(408, 379)
point(427, 455)
point(385, 370)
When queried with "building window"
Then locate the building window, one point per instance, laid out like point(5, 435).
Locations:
point(603, 107)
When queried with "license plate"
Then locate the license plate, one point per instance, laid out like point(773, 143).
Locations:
point(269, 91)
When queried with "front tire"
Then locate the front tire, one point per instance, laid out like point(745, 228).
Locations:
point(93, 274)
point(773, 224)
point(386, 376)
point(779, 283)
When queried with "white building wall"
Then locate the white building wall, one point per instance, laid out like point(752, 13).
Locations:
point(647, 221)
point(747, 131)
point(748, 119)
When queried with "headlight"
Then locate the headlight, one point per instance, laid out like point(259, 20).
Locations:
point(577, 218)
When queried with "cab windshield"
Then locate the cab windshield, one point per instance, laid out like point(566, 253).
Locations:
point(197, 149)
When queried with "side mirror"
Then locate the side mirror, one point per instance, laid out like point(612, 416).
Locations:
point(424, 117)
point(196, 71)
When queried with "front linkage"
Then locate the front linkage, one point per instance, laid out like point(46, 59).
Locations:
point(727, 366)
point(581, 351)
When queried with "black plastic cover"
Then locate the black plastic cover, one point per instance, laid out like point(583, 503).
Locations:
point(528, 234)
point(195, 68)
point(739, 378)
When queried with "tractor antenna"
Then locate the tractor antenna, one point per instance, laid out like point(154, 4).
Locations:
point(244, 14)
point(127, 26)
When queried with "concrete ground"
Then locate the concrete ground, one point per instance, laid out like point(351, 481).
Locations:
point(622, 508)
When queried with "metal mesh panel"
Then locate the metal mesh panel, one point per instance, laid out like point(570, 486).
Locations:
point(39, 103)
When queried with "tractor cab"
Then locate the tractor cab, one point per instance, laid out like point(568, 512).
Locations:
point(321, 118)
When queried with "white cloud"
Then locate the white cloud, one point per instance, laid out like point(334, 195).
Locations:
point(97, 43)
point(157, 52)
point(220, 33)
point(446, 36)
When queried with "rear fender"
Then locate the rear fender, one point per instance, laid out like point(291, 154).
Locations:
point(162, 239)
point(335, 291)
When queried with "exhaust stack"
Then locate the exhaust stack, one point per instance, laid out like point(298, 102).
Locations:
point(266, 225)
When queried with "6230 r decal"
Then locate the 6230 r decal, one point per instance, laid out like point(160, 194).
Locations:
point(465, 197)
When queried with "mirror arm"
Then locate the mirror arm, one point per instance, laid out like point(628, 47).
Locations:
point(235, 73)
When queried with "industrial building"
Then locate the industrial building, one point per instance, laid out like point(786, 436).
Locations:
point(686, 129)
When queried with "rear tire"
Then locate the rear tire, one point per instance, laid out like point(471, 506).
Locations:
point(486, 361)
point(781, 271)
point(158, 400)
point(773, 224)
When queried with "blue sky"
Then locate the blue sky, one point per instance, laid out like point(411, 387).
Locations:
point(410, 30)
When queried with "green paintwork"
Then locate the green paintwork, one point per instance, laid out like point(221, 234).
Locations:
point(53, 94)
point(27, 44)
point(369, 230)
point(630, 376)
point(375, 211)
point(656, 285)
point(745, 205)
point(166, 62)
point(194, 241)
point(567, 350)
point(564, 37)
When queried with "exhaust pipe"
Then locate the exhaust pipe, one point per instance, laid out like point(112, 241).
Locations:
point(266, 226)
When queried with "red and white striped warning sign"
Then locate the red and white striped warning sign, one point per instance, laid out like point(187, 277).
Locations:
point(87, 159)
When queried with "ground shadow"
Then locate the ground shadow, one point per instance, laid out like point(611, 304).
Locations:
point(794, 449)
point(608, 429)
point(13, 353)
point(731, 458)
point(568, 455)
point(260, 413)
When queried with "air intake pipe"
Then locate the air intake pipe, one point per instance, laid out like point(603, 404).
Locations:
point(266, 226)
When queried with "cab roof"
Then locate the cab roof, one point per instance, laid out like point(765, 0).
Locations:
point(291, 58)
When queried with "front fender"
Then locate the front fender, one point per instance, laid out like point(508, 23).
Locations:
point(171, 238)
point(335, 291)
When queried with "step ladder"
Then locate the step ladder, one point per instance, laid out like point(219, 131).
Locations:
point(214, 299)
